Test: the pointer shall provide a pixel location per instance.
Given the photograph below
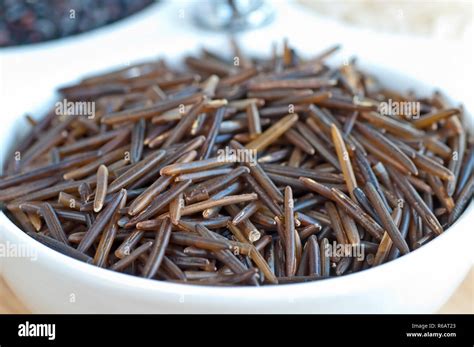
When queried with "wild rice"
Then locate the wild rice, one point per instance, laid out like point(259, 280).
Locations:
point(246, 174)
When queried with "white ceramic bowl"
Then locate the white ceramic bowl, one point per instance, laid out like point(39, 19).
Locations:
point(419, 282)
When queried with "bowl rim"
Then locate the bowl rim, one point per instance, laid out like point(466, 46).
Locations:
point(333, 285)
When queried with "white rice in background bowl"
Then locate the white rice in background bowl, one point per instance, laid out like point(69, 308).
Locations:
point(440, 19)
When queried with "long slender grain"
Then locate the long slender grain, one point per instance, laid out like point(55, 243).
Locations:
point(417, 202)
point(61, 247)
point(101, 221)
point(158, 250)
point(135, 172)
point(389, 147)
point(227, 200)
point(53, 223)
point(160, 201)
point(272, 133)
point(434, 117)
point(290, 248)
point(358, 214)
point(126, 261)
point(386, 219)
point(344, 160)
point(101, 188)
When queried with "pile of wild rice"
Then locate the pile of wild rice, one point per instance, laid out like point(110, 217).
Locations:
point(239, 171)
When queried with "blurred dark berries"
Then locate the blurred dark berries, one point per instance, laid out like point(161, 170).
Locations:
point(30, 21)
